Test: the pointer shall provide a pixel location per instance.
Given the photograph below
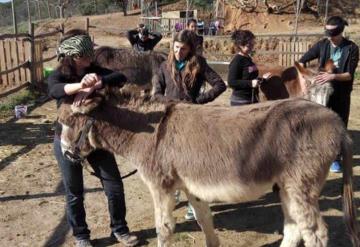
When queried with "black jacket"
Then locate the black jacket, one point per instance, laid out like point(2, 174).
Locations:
point(165, 88)
point(348, 62)
point(139, 45)
point(57, 81)
point(242, 70)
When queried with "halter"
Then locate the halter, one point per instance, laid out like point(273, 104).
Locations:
point(75, 152)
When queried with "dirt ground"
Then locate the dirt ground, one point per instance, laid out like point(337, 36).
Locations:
point(32, 196)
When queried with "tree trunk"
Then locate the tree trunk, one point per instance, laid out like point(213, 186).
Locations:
point(39, 10)
point(124, 6)
point(48, 8)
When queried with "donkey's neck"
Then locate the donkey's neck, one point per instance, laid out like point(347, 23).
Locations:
point(131, 132)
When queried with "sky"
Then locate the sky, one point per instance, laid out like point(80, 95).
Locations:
point(4, 1)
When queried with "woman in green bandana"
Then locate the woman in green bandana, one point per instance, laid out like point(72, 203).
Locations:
point(182, 76)
point(77, 77)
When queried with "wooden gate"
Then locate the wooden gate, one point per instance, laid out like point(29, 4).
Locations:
point(14, 61)
point(291, 51)
point(21, 60)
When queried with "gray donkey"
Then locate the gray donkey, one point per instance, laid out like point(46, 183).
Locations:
point(223, 154)
point(139, 67)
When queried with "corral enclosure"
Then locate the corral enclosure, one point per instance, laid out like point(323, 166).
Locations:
point(22, 60)
point(32, 196)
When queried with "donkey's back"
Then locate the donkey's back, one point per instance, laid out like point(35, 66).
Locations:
point(237, 154)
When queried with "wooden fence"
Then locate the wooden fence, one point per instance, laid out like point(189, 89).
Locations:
point(282, 48)
point(21, 59)
point(291, 51)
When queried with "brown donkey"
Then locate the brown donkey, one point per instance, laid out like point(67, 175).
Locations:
point(296, 81)
point(222, 154)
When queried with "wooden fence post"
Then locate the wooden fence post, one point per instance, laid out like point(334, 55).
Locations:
point(32, 53)
point(14, 17)
point(87, 24)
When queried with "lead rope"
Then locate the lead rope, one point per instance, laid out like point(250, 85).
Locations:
point(252, 95)
point(84, 133)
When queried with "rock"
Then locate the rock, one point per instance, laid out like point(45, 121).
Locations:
point(43, 203)
point(46, 121)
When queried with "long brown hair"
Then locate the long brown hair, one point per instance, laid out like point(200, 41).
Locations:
point(193, 65)
point(66, 64)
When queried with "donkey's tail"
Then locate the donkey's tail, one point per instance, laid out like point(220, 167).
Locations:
point(348, 195)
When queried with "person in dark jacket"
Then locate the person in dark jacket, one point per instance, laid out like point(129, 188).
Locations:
point(345, 55)
point(243, 75)
point(184, 72)
point(77, 77)
point(143, 40)
point(182, 76)
point(192, 26)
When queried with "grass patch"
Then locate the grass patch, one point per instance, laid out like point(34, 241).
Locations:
point(23, 97)
point(23, 27)
point(184, 238)
point(357, 76)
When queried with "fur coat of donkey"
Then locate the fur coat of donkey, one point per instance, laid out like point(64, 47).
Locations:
point(222, 154)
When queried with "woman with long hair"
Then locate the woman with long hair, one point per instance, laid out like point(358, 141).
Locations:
point(77, 77)
point(184, 72)
point(182, 76)
point(243, 72)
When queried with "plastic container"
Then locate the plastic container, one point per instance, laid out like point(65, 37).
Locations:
point(47, 71)
point(20, 111)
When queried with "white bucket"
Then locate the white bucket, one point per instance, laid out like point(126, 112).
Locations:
point(20, 111)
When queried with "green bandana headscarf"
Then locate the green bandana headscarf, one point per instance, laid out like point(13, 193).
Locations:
point(79, 45)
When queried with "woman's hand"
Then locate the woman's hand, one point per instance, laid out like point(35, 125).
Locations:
point(255, 83)
point(89, 80)
point(82, 95)
point(266, 76)
point(324, 77)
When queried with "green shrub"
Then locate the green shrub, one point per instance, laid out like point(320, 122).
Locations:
point(22, 97)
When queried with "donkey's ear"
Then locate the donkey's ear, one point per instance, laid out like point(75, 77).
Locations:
point(301, 69)
point(329, 66)
point(87, 106)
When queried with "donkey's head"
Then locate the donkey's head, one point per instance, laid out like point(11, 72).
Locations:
point(82, 124)
point(307, 75)
point(318, 93)
point(77, 124)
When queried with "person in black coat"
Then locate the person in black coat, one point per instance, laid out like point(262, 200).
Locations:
point(77, 77)
point(143, 40)
point(243, 75)
point(199, 41)
point(345, 55)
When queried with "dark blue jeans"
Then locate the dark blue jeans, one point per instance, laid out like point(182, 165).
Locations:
point(105, 166)
point(340, 103)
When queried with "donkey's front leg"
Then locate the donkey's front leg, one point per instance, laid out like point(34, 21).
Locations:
point(164, 204)
point(204, 219)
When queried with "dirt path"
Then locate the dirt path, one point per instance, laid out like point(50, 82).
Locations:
point(32, 196)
